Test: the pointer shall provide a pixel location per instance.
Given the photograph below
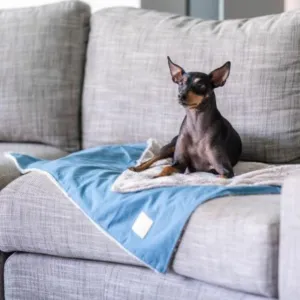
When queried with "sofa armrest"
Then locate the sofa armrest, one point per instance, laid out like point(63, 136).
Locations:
point(289, 258)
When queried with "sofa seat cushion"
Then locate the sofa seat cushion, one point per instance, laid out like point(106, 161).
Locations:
point(231, 242)
point(8, 170)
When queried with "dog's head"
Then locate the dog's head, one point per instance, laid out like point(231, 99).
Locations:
point(194, 88)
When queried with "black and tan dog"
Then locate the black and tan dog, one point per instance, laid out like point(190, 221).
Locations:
point(206, 142)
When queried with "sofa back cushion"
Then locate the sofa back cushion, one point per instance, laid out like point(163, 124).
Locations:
point(129, 95)
point(42, 53)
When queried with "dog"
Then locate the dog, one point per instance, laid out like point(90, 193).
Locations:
point(206, 142)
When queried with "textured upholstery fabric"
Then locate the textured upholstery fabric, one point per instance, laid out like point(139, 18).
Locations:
point(129, 95)
point(34, 277)
point(231, 242)
point(41, 73)
point(62, 229)
point(289, 260)
point(8, 170)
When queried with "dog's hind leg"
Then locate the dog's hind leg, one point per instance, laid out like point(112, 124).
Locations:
point(165, 152)
point(169, 170)
point(145, 165)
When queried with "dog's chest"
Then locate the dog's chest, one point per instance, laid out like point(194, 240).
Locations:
point(198, 150)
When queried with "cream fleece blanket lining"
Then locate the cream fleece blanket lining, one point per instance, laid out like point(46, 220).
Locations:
point(246, 174)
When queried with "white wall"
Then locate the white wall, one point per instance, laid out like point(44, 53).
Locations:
point(291, 4)
point(95, 4)
point(168, 5)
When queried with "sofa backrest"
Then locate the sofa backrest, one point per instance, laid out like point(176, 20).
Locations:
point(42, 54)
point(130, 97)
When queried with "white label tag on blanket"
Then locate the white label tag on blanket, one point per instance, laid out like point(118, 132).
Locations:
point(142, 225)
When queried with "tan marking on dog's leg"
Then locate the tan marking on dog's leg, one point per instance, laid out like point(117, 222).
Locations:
point(167, 171)
point(145, 165)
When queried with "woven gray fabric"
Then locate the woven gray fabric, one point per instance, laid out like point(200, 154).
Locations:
point(34, 277)
point(62, 229)
point(217, 246)
point(8, 170)
point(41, 73)
point(129, 95)
point(289, 260)
point(233, 242)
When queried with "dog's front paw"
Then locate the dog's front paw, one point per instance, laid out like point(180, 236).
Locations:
point(167, 171)
point(226, 175)
point(132, 169)
point(229, 175)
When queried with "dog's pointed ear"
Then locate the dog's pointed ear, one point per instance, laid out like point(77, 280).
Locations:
point(219, 76)
point(176, 71)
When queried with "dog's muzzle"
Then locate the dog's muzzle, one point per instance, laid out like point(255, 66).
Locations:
point(182, 99)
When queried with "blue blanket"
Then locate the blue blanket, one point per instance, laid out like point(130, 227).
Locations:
point(146, 224)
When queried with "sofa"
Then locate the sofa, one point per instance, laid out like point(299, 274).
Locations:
point(72, 80)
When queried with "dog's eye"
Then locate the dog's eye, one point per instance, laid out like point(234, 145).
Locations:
point(201, 86)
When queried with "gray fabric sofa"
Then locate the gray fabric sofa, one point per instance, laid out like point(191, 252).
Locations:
point(72, 80)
